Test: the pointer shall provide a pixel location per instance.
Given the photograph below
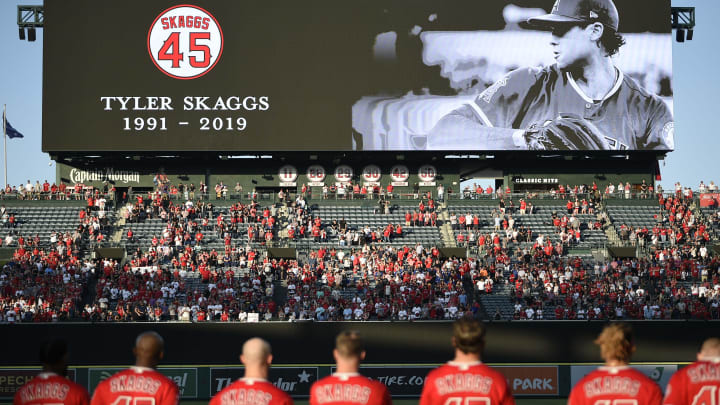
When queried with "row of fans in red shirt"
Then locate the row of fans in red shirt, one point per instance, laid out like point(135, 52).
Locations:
point(630, 289)
point(40, 285)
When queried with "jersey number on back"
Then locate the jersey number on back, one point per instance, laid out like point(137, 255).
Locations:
point(616, 402)
point(128, 400)
point(708, 395)
point(467, 401)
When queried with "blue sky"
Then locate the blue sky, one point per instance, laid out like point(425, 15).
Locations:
point(696, 86)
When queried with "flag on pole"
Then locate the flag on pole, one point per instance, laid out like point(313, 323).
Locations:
point(10, 131)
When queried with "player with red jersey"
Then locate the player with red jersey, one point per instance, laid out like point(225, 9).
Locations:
point(466, 380)
point(346, 386)
point(698, 383)
point(141, 384)
point(50, 387)
point(254, 387)
point(616, 383)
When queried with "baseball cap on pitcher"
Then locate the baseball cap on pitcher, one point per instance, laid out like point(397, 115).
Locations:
point(579, 11)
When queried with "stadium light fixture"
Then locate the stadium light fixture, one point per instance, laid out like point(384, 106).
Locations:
point(683, 19)
point(680, 35)
point(30, 17)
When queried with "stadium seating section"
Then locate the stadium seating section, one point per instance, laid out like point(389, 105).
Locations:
point(358, 260)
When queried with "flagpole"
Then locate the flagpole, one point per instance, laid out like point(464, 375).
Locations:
point(5, 141)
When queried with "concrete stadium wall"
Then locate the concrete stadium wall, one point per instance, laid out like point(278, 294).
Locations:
point(300, 343)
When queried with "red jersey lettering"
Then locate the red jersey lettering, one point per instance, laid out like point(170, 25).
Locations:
point(249, 391)
point(696, 384)
point(466, 384)
point(349, 389)
point(136, 386)
point(50, 388)
point(615, 386)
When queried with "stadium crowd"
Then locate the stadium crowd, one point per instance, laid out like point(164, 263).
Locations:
point(679, 280)
point(176, 275)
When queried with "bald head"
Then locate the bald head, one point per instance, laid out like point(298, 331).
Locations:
point(257, 357)
point(149, 349)
point(710, 350)
point(255, 352)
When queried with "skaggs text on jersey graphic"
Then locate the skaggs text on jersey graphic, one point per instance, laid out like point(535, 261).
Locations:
point(185, 42)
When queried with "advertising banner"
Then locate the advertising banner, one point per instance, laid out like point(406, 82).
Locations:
point(709, 199)
point(407, 381)
point(531, 380)
point(296, 381)
point(12, 379)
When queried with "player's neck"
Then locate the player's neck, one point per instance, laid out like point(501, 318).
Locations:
point(53, 370)
point(597, 78)
point(347, 367)
point(615, 363)
point(145, 364)
point(461, 357)
point(256, 372)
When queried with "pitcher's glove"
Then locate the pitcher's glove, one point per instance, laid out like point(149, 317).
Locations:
point(566, 132)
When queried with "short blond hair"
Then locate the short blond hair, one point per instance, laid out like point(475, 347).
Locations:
point(469, 335)
point(710, 348)
point(349, 344)
point(616, 342)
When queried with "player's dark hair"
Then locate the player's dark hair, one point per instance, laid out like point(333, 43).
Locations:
point(350, 344)
point(469, 335)
point(53, 351)
point(611, 41)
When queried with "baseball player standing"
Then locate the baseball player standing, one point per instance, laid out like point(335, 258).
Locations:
point(698, 383)
point(582, 102)
point(465, 379)
point(616, 382)
point(254, 387)
point(346, 386)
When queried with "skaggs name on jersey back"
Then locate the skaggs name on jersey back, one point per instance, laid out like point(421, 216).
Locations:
point(124, 383)
point(463, 382)
point(611, 385)
point(704, 372)
point(242, 396)
point(343, 393)
point(50, 390)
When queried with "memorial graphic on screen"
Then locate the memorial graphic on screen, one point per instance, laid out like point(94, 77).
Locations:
point(322, 75)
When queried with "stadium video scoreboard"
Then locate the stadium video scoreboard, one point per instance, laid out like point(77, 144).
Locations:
point(322, 75)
